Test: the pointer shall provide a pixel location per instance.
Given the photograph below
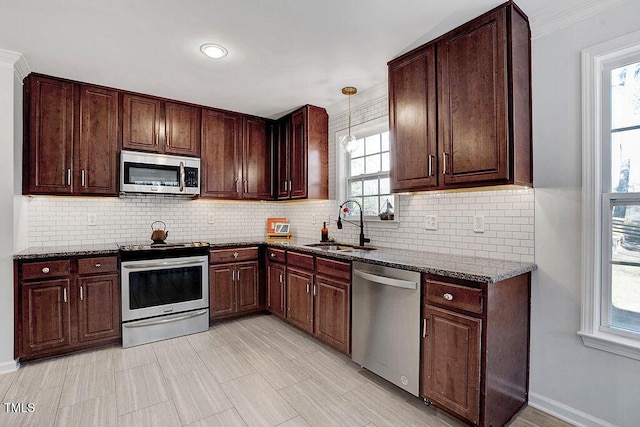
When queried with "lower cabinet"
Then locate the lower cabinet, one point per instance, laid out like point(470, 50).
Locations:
point(66, 304)
point(276, 276)
point(319, 298)
point(475, 353)
point(233, 286)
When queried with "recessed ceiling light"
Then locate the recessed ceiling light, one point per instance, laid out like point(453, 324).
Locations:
point(213, 50)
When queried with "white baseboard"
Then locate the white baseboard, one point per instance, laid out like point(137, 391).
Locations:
point(564, 412)
point(10, 366)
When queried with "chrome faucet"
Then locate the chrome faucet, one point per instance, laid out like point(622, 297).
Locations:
point(363, 239)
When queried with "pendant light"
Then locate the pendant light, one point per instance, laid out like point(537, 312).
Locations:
point(348, 142)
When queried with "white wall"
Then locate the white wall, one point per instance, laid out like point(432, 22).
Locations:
point(585, 385)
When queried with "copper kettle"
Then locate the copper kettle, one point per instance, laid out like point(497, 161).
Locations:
point(159, 235)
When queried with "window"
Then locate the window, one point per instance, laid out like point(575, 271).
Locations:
point(364, 175)
point(611, 197)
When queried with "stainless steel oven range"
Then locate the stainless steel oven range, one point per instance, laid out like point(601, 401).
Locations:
point(165, 291)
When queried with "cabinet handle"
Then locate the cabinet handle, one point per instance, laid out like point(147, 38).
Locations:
point(68, 176)
point(430, 172)
point(290, 186)
point(286, 186)
point(64, 294)
point(82, 178)
point(281, 281)
point(238, 271)
point(235, 254)
point(444, 163)
point(448, 296)
point(246, 186)
point(424, 327)
point(308, 285)
point(314, 290)
point(98, 265)
point(237, 188)
point(45, 270)
point(81, 296)
point(233, 275)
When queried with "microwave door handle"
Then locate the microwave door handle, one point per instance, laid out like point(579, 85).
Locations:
point(181, 177)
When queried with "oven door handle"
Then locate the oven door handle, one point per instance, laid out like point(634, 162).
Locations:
point(161, 264)
point(152, 322)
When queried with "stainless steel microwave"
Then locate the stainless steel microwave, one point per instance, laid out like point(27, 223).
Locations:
point(159, 174)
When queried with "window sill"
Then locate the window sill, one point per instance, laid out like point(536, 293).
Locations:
point(377, 223)
point(622, 346)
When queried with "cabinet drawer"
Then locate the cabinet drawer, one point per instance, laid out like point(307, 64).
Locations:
point(45, 269)
point(232, 255)
point(454, 296)
point(328, 267)
point(276, 255)
point(96, 265)
point(300, 260)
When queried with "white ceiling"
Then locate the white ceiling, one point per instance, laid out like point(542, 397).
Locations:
point(282, 53)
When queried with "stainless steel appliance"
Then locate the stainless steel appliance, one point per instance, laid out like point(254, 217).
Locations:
point(385, 330)
point(165, 291)
point(159, 174)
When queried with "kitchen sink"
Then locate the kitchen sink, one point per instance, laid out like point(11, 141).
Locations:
point(339, 247)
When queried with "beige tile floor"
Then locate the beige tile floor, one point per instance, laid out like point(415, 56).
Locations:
point(256, 371)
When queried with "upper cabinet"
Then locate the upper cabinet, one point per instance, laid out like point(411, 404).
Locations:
point(471, 87)
point(71, 138)
point(302, 154)
point(236, 156)
point(151, 124)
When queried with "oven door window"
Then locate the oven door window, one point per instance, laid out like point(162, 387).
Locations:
point(161, 287)
point(153, 175)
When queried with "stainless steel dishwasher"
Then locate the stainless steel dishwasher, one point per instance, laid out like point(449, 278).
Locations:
point(385, 334)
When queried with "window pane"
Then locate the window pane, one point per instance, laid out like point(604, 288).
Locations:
point(357, 166)
point(373, 144)
point(371, 206)
point(625, 161)
point(371, 186)
point(625, 233)
point(385, 187)
point(385, 162)
point(359, 151)
point(385, 141)
point(373, 163)
point(625, 96)
point(625, 296)
point(355, 189)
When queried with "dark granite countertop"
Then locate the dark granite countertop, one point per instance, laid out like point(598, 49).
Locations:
point(477, 269)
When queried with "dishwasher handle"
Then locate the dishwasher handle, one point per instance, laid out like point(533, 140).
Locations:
point(389, 281)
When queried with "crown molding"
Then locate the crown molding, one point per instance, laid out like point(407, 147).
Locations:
point(359, 99)
point(15, 60)
point(556, 18)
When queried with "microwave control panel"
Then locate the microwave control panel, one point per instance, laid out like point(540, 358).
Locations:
point(191, 177)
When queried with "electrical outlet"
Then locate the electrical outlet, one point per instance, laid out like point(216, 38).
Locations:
point(211, 218)
point(430, 222)
point(313, 220)
point(478, 224)
point(92, 219)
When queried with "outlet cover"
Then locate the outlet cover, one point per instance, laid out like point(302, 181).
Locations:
point(92, 219)
point(430, 222)
point(478, 224)
point(211, 218)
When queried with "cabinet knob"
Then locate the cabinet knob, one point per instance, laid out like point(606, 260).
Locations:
point(273, 255)
point(98, 265)
point(235, 254)
point(45, 270)
point(448, 296)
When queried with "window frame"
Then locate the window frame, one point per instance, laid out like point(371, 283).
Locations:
point(597, 196)
point(362, 130)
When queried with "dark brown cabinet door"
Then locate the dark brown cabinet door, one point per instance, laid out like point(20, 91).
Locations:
point(256, 160)
point(275, 288)
point(412, 120)
point(332, 313)
point(247, 297)
point(141, 123)
point(45, 315)
point(182, 124)
point(51, 135)
point(298, 155)
point(472, 101)
point(221, 290)
point(96, 171)
point(98, 307)
point(282, 158)
point(451, 361)
point(221, 152)
point(300, 299)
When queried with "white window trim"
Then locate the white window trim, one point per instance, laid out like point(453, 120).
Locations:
point(377, 125)
point(593, 59)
